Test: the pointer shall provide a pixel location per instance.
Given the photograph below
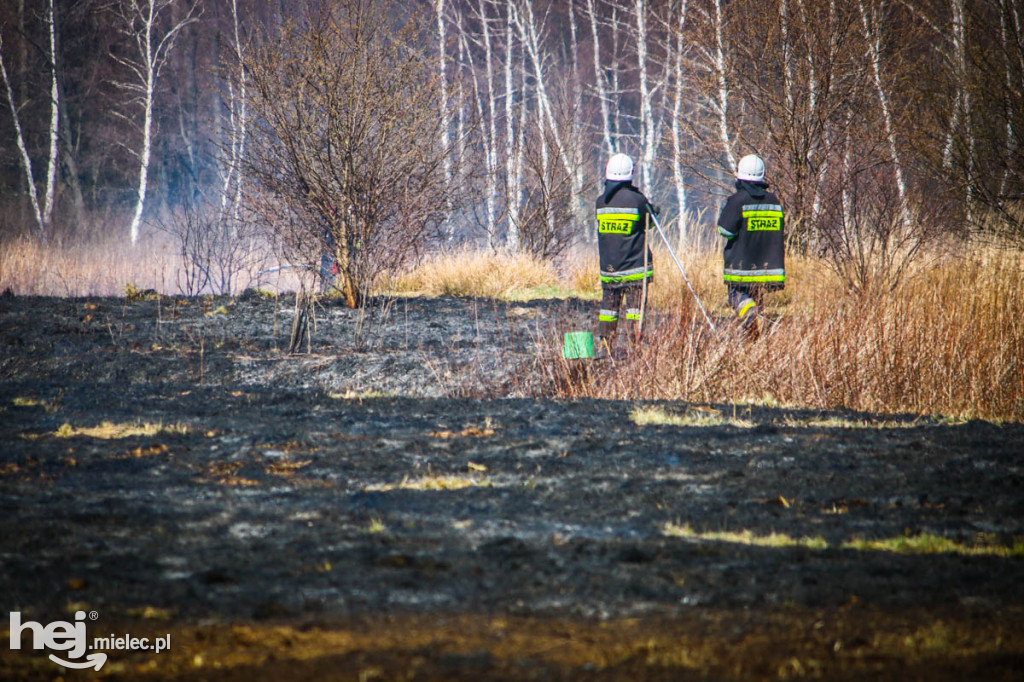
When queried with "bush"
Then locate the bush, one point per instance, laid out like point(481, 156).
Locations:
point(343, 152)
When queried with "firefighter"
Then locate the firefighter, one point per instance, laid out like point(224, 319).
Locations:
point(754, 255)
point(622, 244)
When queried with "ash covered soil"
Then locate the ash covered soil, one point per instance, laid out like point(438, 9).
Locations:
point(390, 505)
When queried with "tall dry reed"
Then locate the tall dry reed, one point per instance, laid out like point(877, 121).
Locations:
point(106, 267)
point(947, 341)
point(30, 268)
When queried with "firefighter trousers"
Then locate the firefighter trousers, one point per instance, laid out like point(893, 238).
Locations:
point(748, 302)
point(612, 300)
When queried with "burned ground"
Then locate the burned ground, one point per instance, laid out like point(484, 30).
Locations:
point(380, 508)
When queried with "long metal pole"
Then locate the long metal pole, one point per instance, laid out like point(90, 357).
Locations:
point(679, 265)
point(643, 295)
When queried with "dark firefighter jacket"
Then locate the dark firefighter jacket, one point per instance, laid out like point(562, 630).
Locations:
point(753, 226)
point(621, 220)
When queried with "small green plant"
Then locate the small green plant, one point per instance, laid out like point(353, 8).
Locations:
point(376, 525)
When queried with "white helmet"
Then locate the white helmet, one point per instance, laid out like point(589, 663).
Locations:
point(619, 168)
point(750, 167)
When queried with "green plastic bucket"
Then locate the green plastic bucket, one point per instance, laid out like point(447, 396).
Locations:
point(578, 345)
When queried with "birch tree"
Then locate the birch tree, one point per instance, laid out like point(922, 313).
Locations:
point(445, 143)
point(676, 35)
point(43, 214)
point(486, 110)
point(646, 109)
point(715, 55)
point(949, 36)
point(600, 82)
point(143, 23)
point(530, 37)
point(231, 191)
point(513, 147)
point(51, 164)
point(872, 23)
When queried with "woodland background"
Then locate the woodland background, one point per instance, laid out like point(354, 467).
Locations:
point(887, 125)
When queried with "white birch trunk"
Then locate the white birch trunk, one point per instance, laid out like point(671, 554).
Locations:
point(574, 45)
point(601, 83)
point(545, 157)
point(492, 131)
point(677, 134)
point(1007, 30)
point(149, 83)
point(646, 110)
point(818, 170)
point(445, 134)
point(141, 20)
point(873, 38)
point(960, 102)
point(26, 160)
point(787, 54)
point(616, 93)
point(960, 50)
point(847, 197)
point(723, 89)
point(460, 101)
point(51, 171)
point(531, 40)
point(511, 178)
point(243, 116)
point(520, 154)
point(486, 116)
point(237, 115)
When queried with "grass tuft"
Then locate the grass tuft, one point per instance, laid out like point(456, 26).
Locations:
point(744, 537)
point(484, 274)
point(925, 543)
point(432, 482)
point(694, 416)
point(112, 431)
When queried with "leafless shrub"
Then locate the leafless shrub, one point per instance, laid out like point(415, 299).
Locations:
point(217, 253)
point(864, 236)
point(344, 125)
point(549, 214)
point(947, 341)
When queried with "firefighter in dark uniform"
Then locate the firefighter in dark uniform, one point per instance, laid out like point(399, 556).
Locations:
point(621, 241)
point(753, 226)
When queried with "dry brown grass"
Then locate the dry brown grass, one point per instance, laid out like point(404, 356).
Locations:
point(479, 273)
point(30, 268)
point(948, 341)
point(108, 266)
